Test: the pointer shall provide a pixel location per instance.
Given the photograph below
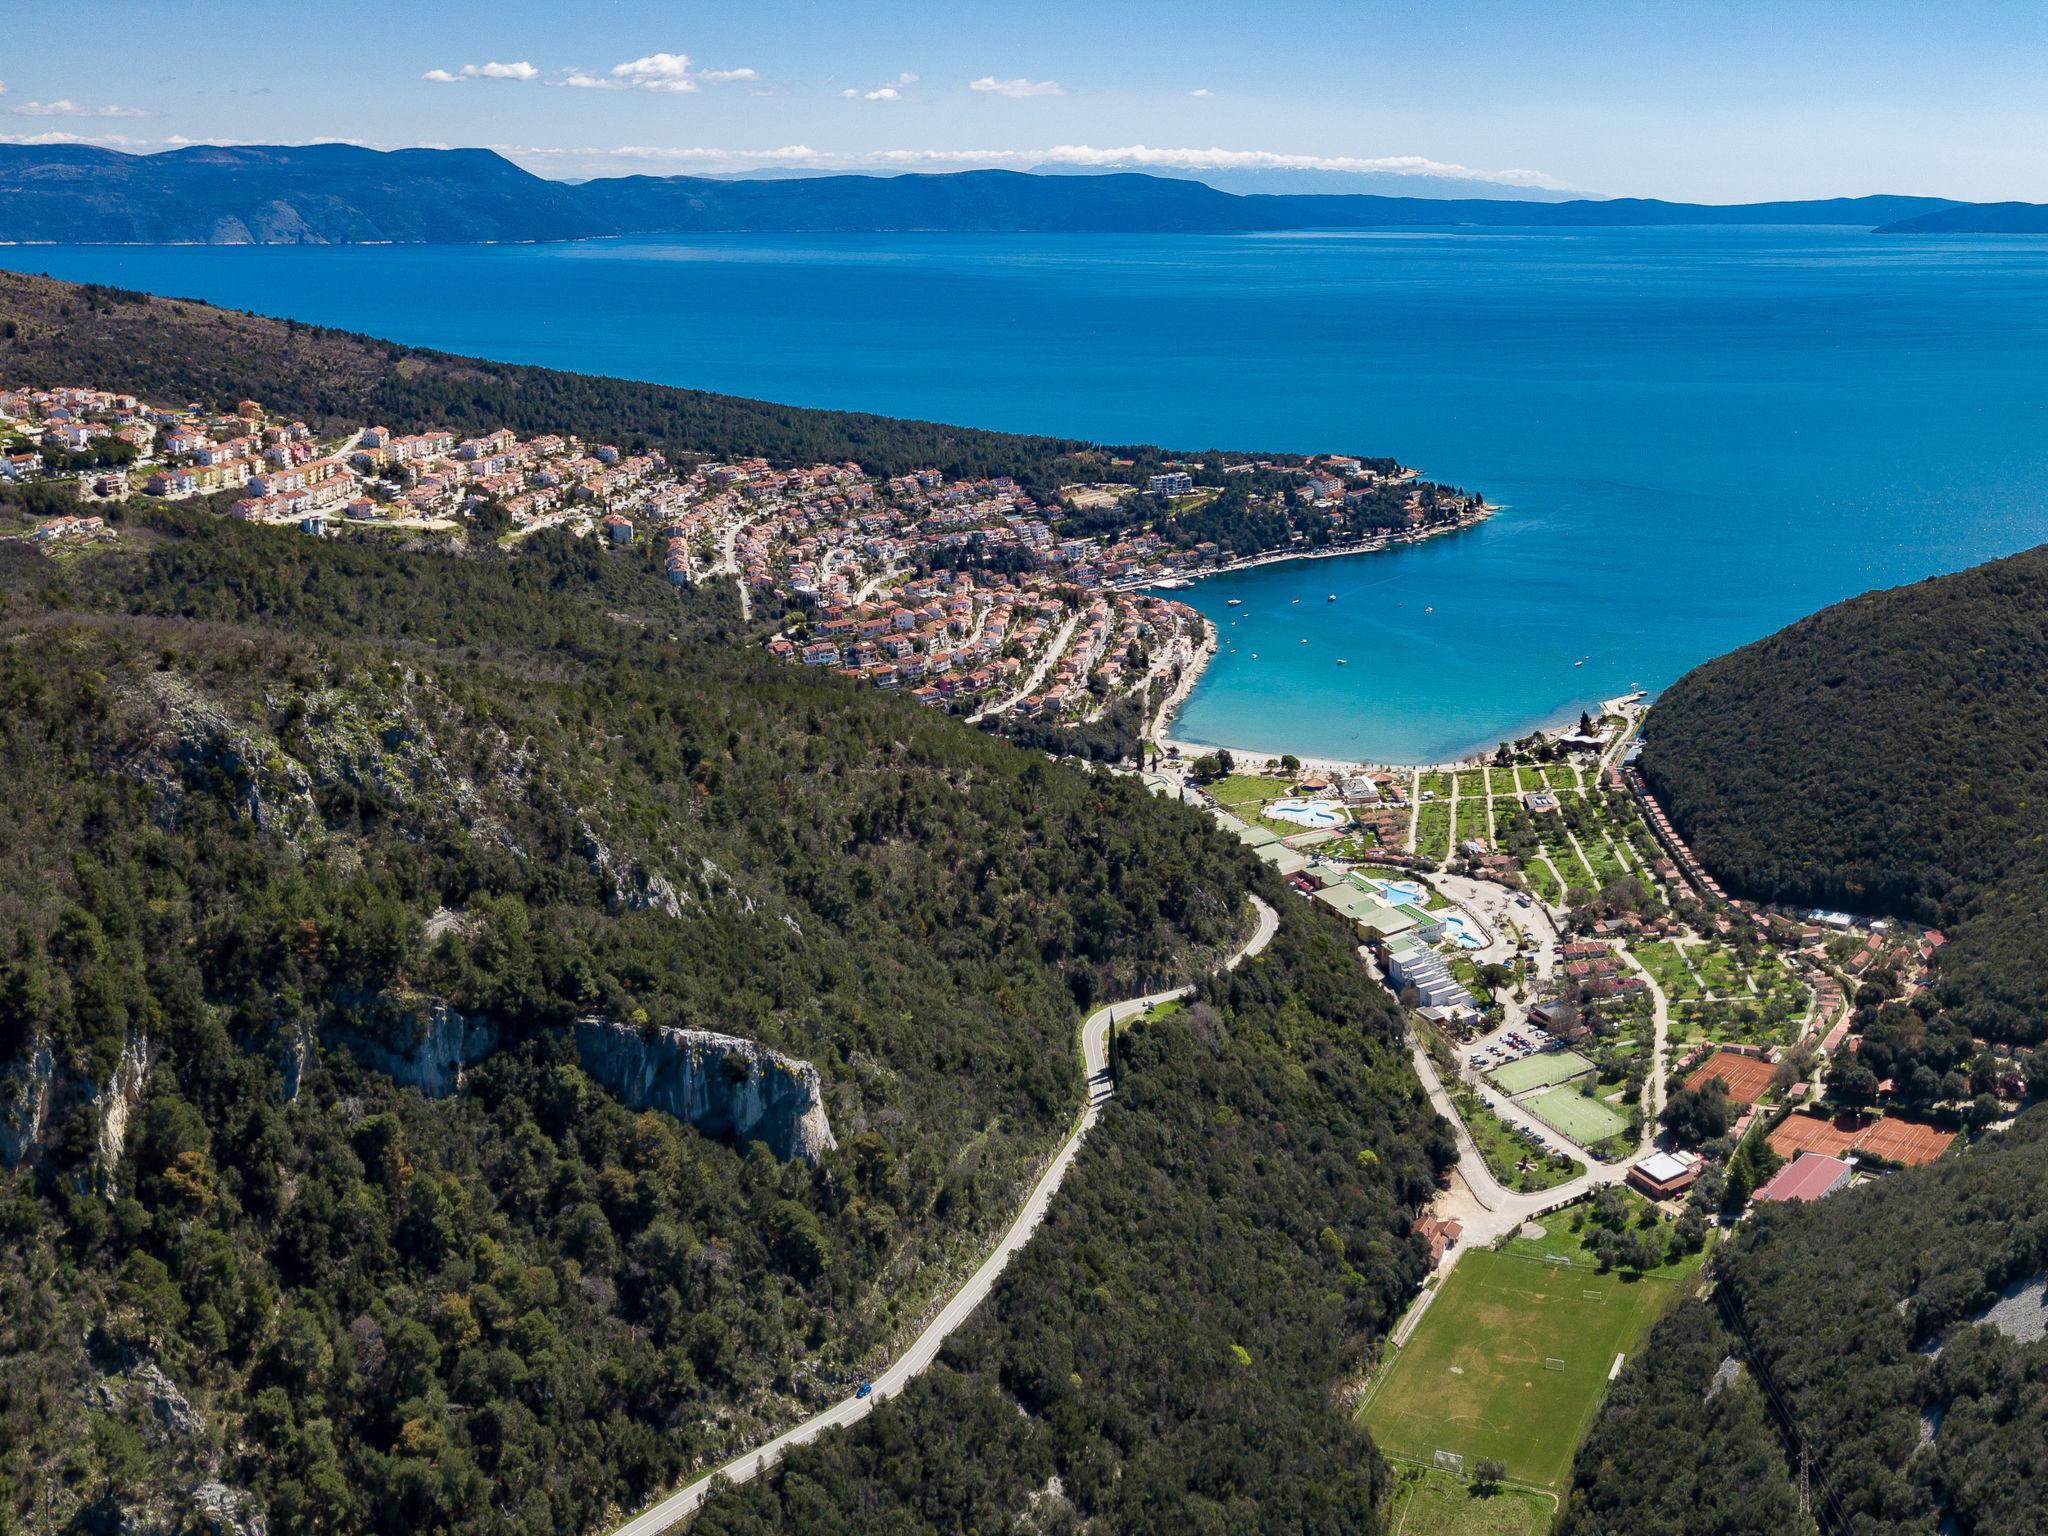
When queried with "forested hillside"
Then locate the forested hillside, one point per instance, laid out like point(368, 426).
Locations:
point(1897, 1327)
point(1885, 756)
point(1166, 1357)
point(269, 796)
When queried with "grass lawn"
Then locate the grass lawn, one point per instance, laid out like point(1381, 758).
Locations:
point(1433, 830)
point(1567, 1234)
point(1427, 1502)
point(1571, 1113)
point(1474, 1378)
point(1472, 783)
point(1720, 970)
point(1663, 961)
point(1509, 1158)
point(1472, 819)
point(1542, 878)
point(1539, 1070)
point(1249, 789)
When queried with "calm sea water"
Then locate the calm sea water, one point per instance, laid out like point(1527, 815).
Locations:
point(1700, 434)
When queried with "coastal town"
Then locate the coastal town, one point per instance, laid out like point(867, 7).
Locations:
point(969, 595)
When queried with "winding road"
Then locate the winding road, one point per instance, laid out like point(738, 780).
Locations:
point(679, 1506)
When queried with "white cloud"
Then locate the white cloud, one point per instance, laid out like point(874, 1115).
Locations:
point(103, 140)
point(1202, 92)
point(491, 71)
point(787, 154)
point(656, 72)
point(893, 91)
point(1143, 157)
point(1133, 156)
point(65, 107)
point(1017, 89)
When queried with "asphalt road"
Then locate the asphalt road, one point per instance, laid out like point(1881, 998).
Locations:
point(679, 1506)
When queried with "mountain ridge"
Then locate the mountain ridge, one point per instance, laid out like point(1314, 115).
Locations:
point(346, 194)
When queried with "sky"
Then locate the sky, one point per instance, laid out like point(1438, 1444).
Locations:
point(1711, 102)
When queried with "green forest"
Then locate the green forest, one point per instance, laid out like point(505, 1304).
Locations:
point(1884, 756)
point(268, 795)
point(1863, 1325)
point(266, 791)
point(1230, 1252)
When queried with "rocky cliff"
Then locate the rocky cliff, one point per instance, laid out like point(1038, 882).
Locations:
point(719, 1083)
point(428, 1050)
point(38, 1092)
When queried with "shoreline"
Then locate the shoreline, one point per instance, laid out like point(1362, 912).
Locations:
point(1190, 674)
point(1183, 579)
point(1162, 719)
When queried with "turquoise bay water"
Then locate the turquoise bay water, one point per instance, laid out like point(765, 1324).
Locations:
point(1700, 434)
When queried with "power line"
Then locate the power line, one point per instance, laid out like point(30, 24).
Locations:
point(1731, 1313)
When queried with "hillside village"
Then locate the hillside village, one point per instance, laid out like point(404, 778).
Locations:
point(970, 595)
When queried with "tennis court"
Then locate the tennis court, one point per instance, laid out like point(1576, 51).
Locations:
point(1747, 1078)
point(1570, 1113)
point(1540, 1070)
point(1899, 1138)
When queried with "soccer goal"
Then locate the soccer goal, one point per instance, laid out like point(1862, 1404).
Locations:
point(1452, 1462)
point(1552, 1363)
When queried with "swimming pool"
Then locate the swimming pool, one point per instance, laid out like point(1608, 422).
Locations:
point(1401, 893)
point(1321, 815)
point(1460, 933)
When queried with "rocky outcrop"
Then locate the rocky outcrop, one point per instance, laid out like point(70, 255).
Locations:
point(223, 1511)
point(721, 1084)
point(26, 1085)
point(429, 1050)
point(36, 1092)
point(118, 1097)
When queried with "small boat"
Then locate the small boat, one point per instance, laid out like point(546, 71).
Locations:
point(1580, 662)
point(1429, 610)
point(1255, 655)
point(1294, 599)
point(1235, 602)
point(1331, 598)
point(1341, 662)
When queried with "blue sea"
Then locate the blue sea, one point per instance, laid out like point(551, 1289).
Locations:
point(1698, 434)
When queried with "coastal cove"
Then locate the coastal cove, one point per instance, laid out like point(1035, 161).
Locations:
point(1661, 414)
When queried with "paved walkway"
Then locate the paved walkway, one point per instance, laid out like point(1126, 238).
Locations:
point(678, 1507)
point(1053, 652)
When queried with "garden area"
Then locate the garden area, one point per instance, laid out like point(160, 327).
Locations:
point(1510, 1159)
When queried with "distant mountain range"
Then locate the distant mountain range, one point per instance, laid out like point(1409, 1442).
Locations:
point(327, 194)
point(1974, 219)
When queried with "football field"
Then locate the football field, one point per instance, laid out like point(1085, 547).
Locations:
point(1510, 1361)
